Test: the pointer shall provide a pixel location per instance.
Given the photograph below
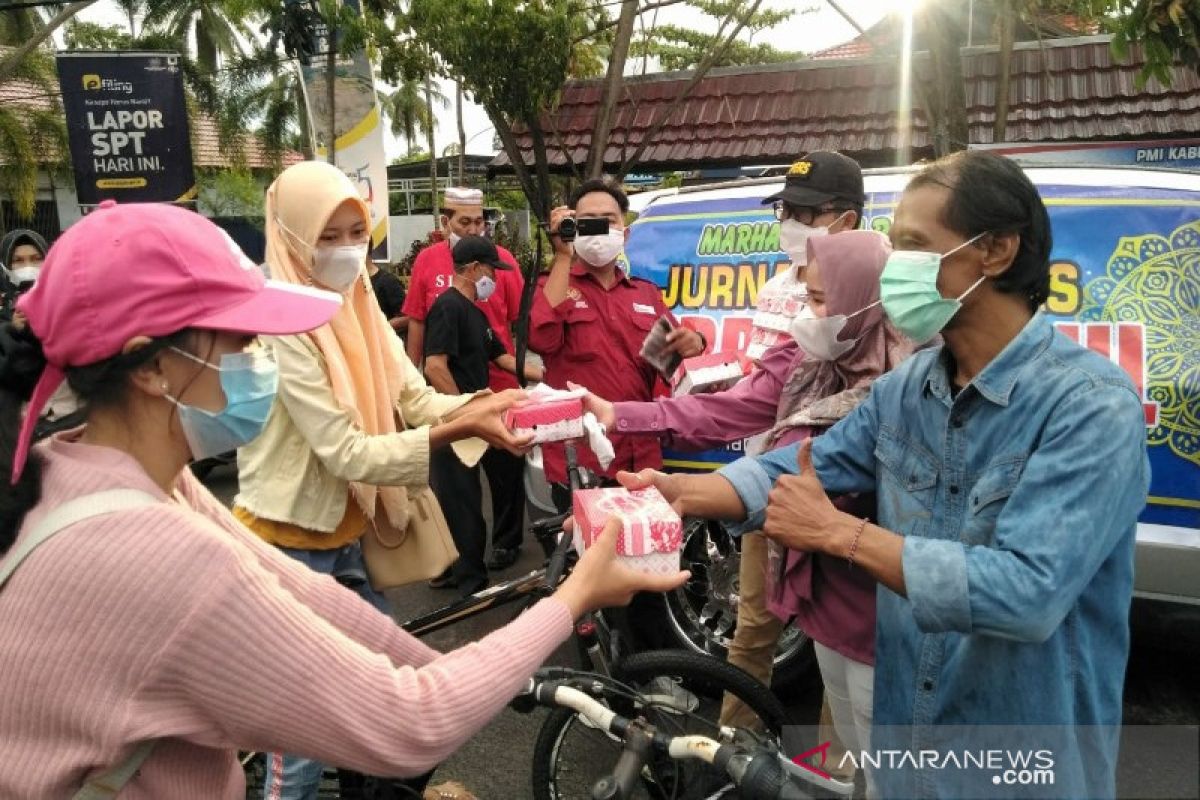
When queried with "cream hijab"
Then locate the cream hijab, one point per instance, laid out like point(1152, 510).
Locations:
point(357, 343)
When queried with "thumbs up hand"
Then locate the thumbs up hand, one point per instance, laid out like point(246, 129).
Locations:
point(800, 515)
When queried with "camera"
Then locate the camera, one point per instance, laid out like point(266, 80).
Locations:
point(570, 227)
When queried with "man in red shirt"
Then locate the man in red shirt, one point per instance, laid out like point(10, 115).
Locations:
point(433, 274)
point(589, 320)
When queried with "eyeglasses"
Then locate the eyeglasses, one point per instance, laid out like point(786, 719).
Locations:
point(805, 215)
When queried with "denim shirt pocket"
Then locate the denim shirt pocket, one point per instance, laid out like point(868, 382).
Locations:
point(987, 498)
point(907, 483)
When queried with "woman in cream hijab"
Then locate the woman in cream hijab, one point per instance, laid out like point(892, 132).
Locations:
point(354, 422)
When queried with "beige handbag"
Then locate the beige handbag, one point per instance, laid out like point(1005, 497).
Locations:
point(421, 551)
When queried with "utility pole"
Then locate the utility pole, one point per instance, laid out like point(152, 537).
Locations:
point(330, 89)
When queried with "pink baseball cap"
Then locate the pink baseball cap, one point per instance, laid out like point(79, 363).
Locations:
point(149, 269)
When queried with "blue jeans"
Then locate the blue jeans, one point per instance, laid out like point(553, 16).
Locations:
point(291, 777)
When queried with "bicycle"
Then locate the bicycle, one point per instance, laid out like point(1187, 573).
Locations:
point(686, 687)
point(685, 684)
point(738, 760)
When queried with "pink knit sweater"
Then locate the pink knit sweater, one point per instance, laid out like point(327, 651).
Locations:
point(175, 623)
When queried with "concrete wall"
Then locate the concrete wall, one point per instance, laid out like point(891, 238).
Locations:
point(404, 230)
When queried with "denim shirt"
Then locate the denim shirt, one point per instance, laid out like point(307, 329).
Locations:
point(1018, 502)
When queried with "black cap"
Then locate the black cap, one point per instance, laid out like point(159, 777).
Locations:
point(477, 248)
point(819, 178)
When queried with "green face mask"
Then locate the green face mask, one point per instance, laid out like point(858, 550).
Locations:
point(908, 290)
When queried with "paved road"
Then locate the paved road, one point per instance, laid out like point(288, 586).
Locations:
point(1162, 688)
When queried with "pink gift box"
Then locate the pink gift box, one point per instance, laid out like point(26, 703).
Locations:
point(712, 372)
point(549, 421)
point(651, 532)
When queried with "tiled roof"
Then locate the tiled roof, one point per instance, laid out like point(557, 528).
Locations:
point(983, 22)
point(1065, 89)
point(855, 48)
point(207, 151)
point(27, 94)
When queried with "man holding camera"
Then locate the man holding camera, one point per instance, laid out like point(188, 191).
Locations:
point(589, 321)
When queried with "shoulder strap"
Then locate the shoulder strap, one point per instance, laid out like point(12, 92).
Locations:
point(107, 784)
point(67, 514)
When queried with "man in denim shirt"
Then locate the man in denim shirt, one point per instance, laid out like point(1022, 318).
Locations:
point(1010, 467)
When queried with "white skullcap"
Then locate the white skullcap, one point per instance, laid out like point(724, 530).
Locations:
point(459, 196)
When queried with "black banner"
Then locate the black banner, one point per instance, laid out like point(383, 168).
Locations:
point(128, 126)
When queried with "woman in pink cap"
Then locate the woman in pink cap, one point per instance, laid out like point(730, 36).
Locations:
point(138, 613)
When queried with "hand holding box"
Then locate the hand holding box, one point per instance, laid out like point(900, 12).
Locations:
point(651, 532)
point(712, 372)
point(548, 420)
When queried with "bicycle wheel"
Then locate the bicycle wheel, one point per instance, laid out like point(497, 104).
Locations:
point(684, 692)
point(701, 615)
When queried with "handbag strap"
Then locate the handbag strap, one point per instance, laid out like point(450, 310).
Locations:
point(66, 515)
point(108, 783)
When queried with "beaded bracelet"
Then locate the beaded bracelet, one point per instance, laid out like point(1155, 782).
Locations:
point(862, 524)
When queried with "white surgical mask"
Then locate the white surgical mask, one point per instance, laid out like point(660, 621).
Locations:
point(484, 287)
point(453, 238)
point(794, 236)
point(818, 336)
point(22, 275)
point(601, 250)
point(337, 267)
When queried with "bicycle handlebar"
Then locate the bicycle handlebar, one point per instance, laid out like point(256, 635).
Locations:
point(758, 772)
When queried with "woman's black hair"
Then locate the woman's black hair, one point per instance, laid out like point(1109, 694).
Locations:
point(104, 383)
point(600, 185)
point(991, 194)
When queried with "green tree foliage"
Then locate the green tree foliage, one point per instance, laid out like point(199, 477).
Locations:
point(31, 134)
point(677, 47)
point(215, 24)
point(19, 25)
point(81, 35)
point(408, 112)
point(512, 57)
point(230, 192)
point(1168, 30)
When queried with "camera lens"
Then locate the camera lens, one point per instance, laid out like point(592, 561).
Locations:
point(567, 229)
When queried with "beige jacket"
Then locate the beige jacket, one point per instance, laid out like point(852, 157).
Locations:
point(298, 470)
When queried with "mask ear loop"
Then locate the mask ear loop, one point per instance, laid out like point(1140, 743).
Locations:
point(972, 288)
point(982, 278)
point(863, 310)
point(297, 241)
point(848, 317)
point(972, 240)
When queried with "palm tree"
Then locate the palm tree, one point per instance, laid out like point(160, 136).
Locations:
point(433, 167)
point(33, 133)
point(411, 116)
point(131, 9)
point(19, 25)
point(217, 31)
point(462, 132)
point(262, 93)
